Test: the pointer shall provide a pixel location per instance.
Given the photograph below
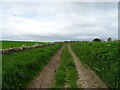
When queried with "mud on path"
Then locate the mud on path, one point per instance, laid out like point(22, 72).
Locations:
point(46, 77)
point(87, 77)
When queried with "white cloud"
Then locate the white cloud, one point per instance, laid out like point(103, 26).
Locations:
point(59, 21)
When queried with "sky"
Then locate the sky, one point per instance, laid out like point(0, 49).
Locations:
point(58, 21)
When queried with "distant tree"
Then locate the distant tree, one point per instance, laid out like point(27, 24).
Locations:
point(66, 42)
point(109, 39)
point(97, 39)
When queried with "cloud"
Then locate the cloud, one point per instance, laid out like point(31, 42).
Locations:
point(59, 21)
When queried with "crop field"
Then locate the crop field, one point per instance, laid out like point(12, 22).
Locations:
point(19, 68)
point(15, 44)
point(62, 65)
point(102, 57)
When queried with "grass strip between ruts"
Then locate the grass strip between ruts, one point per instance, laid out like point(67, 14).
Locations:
point(66, 75)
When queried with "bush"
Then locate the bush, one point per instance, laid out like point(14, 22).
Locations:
point(96, 39)
point(109, 39)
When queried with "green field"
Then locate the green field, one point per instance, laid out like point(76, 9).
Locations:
point(18, 69)
point(102, 57)
point(66, 75)
point(15, 44)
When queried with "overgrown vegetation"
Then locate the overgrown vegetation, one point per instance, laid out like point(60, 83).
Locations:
point(18, 69)
point(66, 75)
point(102, 57)
point(15, 44)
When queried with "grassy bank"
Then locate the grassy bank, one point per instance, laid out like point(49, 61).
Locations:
point(102, 57)
point(18, 69)
point(15, 44)
point(66, 75)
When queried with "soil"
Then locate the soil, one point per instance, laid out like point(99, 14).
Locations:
point(87, 77)
point(46, 77)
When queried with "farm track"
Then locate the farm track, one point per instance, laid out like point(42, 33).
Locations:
point(87, 77)
point(46, 77)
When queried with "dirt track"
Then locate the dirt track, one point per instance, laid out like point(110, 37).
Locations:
point(46, 77)
point(87, 78)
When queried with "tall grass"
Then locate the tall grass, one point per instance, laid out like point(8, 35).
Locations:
point(66, 75)
point(20, 68)
point(102, 57)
